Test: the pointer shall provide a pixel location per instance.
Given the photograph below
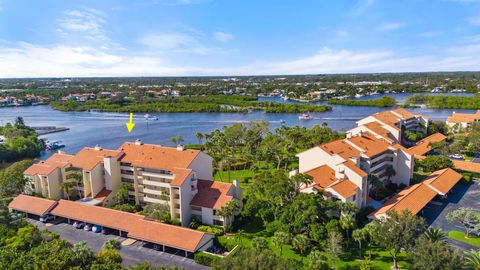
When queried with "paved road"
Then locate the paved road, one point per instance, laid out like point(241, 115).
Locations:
point(133, 254)
point(462, 195)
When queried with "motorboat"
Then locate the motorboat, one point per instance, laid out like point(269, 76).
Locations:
point(305, 116)
point(54, 145)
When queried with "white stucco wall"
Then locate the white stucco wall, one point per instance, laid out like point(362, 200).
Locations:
point(54, 180)
point(186, 197)
point(112, 173)
point(97, 181)
point(202, 165)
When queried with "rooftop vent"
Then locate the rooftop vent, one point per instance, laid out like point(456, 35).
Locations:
point(98, 147)
point(138, 142)
point(180, 147)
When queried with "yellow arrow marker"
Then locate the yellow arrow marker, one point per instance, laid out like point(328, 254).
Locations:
point(130, 125)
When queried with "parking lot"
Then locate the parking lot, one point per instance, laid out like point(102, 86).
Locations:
point(133, 254)
point(462, 195)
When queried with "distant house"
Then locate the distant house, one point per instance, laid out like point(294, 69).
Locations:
point(461, 121)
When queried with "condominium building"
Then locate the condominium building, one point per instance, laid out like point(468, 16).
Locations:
point(391, 125)
point(461, 121)
point(154, 175)
point(340, 168)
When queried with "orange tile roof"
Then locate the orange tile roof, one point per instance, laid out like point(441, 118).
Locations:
point(102, 195)
point(464, 117)
point(369, 144)
point(349, 164)
point(157, 157)
point(33, 205)
point(323, 176)
point(180, 175)
point(388, 118)
point(48, 166)
point(422, 147)
point(413, 199)
point(341, 148)
point(466, 166)
point(88, 158)
point(443, 180)
point(404, 113)
point(169, 235)
point(345, 188)
point(137, 226)
point(379, 129)
point(212, 194)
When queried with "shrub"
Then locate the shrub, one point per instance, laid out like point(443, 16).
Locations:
point(467, 177)
point(194, 223)
point(175, 222)
point(216, 230)
point(205, 259)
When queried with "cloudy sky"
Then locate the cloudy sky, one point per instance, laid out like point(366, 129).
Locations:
point(236, 37)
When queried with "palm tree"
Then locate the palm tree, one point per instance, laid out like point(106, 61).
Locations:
point(228, 210)
point(177, 140)
point(239, 236)
point(390, 172)
point(376, 183)
point(280, 239)
point(259, 243)
point(300, 242)
point(67, 187)
point(472, 259)
point(200, 137)
point(302, 179)
point(83, 254)
point(360, 235)
point(347, 222)
point(435, 234)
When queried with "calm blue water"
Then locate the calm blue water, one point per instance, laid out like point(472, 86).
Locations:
point(108, 129)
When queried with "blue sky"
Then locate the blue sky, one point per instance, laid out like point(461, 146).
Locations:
point(236, 37)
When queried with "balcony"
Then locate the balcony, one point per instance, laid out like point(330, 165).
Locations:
point(156, 175)
point(156, 183)
point(153, 200)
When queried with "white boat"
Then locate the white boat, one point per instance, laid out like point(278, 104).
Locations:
point(53, 145)
point(148, 117)
point(285, 98)
point(305, 116)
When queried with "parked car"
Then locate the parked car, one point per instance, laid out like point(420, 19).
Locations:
point(96, 228)
point(106, 230)
point(78, 224)
point(46, 218)
point(456, 156)
point(16, 215)
point(87, 227)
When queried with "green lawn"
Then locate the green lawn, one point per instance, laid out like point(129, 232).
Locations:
point(380, 258)
point(461, 236)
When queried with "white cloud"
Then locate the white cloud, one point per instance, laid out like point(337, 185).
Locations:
point(178, 43)
point(222, 36)
point(361, 6)
point(474, 20)
point(88, 23)
point(390, 26)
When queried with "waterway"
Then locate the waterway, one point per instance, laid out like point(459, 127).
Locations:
point(109, 131)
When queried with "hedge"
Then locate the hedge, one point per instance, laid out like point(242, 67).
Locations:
point(205, 258)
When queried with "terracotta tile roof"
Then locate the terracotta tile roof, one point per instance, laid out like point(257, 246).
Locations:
point(369, 144)
point(157, 157)
point(136, 225)
point(32, 205)
point(102, 195)
point(180, 175)
point(212, 194)
point(443, 180)
point(388, 118)
point(323, 176)
point(96, 215)
point(341, 148)
point(169, 235)
point(422, 147)
point(464, 117)
point(349, 164)
point(88, 158)
point(48, 166)
point(466, 166)
point(404, 113)
point(345, 188)
point(380, 130)
point(413, 199)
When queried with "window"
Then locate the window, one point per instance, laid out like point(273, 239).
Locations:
point(196, 208)
point(217, 222)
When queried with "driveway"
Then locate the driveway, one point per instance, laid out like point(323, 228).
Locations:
point(133, 254)
point(462, 195)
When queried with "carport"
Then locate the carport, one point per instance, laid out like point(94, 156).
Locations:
point(33, 207)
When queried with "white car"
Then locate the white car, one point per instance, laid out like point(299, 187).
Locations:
point(46, 218)
point(456, 156)
point(78, 224)
point(87, 227)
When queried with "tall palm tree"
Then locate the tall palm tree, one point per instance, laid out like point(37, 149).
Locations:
point(280, 239)
point(200, 137)
point(360, 235)
point(347, 222)
point(178, 139)
point(390, 172)
point(67, 187)
point(435, 234)
point(472, 259)
point(300, 242)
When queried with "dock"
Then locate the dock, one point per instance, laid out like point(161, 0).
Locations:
point(49, 129)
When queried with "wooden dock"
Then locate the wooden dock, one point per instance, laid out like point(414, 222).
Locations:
point(49, 129)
